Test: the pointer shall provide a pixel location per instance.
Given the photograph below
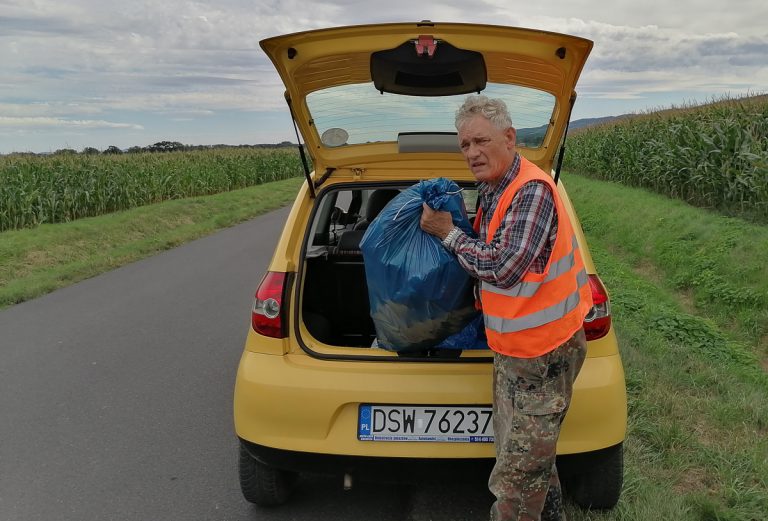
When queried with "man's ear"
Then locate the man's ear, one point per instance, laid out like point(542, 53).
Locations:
point(510, 136)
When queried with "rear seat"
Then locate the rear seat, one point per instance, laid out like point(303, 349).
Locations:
point(349, 244)
point(375, 204)
point(349, 241)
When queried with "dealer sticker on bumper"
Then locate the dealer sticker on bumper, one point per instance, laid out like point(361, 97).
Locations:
point(456, 424)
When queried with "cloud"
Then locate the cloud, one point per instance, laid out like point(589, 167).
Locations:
point(653, 47)
point(88, 60)
point(49, 122)
point(685, 16)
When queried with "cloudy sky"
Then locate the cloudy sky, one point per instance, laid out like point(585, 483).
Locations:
point(77, 73)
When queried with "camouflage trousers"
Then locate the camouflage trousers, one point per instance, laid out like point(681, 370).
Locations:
point(530, 399)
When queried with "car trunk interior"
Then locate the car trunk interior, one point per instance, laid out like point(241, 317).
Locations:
point(336, 310)
point(335, 304)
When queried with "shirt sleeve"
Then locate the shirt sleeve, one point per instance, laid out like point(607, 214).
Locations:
point(520, 239)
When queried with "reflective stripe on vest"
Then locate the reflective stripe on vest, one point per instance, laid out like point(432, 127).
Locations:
point(527, 289)
point(539, 318)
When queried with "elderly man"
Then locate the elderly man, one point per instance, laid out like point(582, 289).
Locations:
point(534, 294)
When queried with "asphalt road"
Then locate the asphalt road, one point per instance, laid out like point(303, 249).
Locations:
point(116, 400)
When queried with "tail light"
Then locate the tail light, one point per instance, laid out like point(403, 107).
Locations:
point(598, 321)
point(268, 313)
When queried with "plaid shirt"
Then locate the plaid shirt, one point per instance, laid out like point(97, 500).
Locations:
point(523, 241)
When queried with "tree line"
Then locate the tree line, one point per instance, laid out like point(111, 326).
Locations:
point(160, 146)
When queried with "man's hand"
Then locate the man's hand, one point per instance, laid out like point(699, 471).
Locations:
point(435, 222)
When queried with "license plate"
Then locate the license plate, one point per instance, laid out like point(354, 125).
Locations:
point(455, 424)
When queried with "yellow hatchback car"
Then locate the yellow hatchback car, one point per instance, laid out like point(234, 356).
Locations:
point(314, 392)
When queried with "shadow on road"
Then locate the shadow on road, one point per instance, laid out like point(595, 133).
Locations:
point(323, 498)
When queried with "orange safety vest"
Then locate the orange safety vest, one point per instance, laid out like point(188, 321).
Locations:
point(542, 310)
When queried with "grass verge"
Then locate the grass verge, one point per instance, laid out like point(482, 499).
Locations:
point(36, 261)
point(714, 265)
point(688, 292)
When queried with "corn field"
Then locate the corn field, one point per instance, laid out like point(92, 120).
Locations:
point(713, 156)
point(57, 188)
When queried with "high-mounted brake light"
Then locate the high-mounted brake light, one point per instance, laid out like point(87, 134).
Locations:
point(425, 45)
point(598, 322)
point(267, 315)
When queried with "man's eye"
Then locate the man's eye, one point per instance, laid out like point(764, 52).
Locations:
point(483, 142)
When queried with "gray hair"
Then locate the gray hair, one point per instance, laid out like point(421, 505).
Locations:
point(492, 109)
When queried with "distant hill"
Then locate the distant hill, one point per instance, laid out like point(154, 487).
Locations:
point(534, 136)
point(590, 122)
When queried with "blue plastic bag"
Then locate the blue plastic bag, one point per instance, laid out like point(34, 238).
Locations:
point(418, 292)
point(471, 337)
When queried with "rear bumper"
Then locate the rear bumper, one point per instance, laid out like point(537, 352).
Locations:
point(379, 469)
point(299, 404)
point(402, 470)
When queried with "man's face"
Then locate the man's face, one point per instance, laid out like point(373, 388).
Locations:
point(488, 150)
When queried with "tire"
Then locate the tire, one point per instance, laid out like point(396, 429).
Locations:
point(597, 483)
point(262, 484)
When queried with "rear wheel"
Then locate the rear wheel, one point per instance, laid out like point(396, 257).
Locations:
point(596, 482)
point(262, 484)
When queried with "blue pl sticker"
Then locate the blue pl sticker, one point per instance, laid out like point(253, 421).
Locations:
point(364, 423)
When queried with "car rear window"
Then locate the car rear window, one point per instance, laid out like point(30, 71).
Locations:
point(366, 115)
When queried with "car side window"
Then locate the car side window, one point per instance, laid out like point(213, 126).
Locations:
point(338, 210)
